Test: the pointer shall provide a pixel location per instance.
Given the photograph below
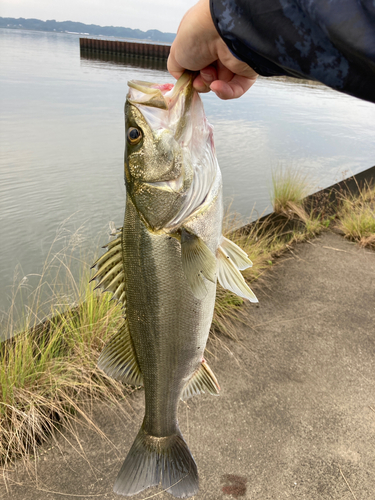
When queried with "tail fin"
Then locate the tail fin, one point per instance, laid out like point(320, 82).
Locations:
point(152, 460)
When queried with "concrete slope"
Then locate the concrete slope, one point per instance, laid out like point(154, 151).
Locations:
point(296, 416)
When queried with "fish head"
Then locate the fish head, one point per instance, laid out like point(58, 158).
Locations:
point(167, 135)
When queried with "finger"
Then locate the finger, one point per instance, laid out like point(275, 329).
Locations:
point(200, 85)
point(223, 73)
point(173, 67)
point(206, 76)
point(228, 85)
point(209, 73)
point(233, 89)
point(228, 62)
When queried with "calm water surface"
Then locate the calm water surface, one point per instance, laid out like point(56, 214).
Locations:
point(62, 141)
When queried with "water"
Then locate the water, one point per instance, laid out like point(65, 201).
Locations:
point(62, 141)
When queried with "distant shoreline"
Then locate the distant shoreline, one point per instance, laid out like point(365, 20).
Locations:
point(76, 28)
point(104, 37)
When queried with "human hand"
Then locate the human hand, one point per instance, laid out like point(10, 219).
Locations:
point(199, 47)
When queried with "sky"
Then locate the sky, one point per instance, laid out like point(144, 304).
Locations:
point(164, 15)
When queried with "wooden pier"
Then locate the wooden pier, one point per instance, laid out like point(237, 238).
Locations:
point(144, 50)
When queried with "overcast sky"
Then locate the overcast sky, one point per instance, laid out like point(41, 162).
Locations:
point(163, 15)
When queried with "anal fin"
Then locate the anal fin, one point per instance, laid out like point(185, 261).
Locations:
point(118, 359)
point(203, 380)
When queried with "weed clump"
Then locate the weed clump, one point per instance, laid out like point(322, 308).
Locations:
point(356, 217)
point(289, 189)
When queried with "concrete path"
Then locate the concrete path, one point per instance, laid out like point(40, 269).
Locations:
point(296, 416)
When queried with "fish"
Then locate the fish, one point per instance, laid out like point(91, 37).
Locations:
point(163, 267)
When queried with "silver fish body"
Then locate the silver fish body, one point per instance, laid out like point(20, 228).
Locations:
point(163, 268)
point(169, 325)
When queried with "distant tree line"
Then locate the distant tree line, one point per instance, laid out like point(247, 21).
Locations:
point(89, 29)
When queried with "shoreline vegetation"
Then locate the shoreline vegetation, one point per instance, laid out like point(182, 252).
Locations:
point(48, 374)
point(85, 29)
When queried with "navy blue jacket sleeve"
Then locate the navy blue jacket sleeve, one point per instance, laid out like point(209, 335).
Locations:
point(331, 41)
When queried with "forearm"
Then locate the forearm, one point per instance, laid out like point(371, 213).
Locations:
point(332, 42)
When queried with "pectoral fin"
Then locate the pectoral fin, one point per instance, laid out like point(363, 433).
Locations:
point(230, 277)
point(197, 261)
point(203, 380)
point(118, 359)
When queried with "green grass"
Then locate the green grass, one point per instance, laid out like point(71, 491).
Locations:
point(49, 374)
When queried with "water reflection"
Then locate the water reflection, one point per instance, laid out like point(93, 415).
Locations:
point(110, 59)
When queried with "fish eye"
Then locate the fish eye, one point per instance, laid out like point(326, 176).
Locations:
point(134, 135)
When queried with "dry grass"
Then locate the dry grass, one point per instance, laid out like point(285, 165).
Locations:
point(48, 372)
point(356, 217)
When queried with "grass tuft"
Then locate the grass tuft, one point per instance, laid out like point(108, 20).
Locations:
point(48, 375)
point(289, 188)
point(356, 217)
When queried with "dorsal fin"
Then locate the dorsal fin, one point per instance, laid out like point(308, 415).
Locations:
point(203, 380)
point(118, 359)
point(110, 270)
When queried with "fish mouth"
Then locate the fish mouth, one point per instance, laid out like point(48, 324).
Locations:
point(163, 96)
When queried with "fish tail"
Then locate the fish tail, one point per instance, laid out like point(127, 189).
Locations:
point(154, 460)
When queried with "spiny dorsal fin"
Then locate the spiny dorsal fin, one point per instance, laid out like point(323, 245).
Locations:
point(197, 261)
point(203, 380)
point(110, 270)
point(238, 256)
point(230, 277)
point(118, 359)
